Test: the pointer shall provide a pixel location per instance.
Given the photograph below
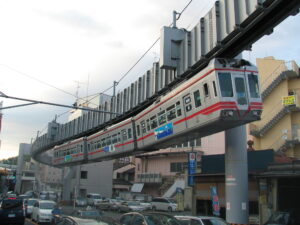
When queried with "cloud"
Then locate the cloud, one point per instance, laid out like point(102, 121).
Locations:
point(78, 20)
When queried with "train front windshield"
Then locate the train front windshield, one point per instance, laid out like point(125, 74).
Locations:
point(238, 86)
point(253, 86)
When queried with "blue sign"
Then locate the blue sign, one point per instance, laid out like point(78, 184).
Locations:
point(106, 149)
point(192, 165)
point(163, 131)
point(215, 201)
point(68, 158)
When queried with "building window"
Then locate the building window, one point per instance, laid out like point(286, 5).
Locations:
point(83, 174)
point(178, 167)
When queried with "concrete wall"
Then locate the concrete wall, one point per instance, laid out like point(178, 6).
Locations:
point(99, 178)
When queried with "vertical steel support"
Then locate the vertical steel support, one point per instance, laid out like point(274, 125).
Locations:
point(236, 174)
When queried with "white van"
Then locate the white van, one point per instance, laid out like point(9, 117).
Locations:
point(93, 199)
point(164, 204)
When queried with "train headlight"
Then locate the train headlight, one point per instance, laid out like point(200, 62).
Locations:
point(256, 113)
point(228, 113)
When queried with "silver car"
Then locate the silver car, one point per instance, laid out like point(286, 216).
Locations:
point(79, 201)
point(201, 220)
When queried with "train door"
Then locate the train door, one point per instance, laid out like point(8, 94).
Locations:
point(187, 110)
point(240, 91)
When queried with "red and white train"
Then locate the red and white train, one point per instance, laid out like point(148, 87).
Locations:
point(223, 95)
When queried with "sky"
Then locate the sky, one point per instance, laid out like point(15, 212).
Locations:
point(49, 47)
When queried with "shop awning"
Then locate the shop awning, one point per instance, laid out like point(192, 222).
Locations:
point(137, 187)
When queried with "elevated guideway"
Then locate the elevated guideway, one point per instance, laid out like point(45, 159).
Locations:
point(228, 28)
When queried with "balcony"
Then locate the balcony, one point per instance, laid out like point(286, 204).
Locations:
point(149, 178)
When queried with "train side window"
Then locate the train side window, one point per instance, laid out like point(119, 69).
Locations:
point(124, 134)
point(114, 138)
point(153, 122)
point(108, 141)
point(225, 84)
point(215, 89)
point(148, 124)
point(89, 147)
point(161, 117)
point(178, 108)
point(143, 125)
point(206, 90)
point(138, 130)
point(103, 144)
point(187, 100)
point(129, 133)
point(119, 137)
point(197, 98)
point(171, 113)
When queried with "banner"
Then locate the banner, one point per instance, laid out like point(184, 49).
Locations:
point(215, 201)
point(192, 165)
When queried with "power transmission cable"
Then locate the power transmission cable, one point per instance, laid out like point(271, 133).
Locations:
point(43, 82)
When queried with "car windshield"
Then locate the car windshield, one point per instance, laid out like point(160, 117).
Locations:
point(171, 200)
point(31, 202)
point(214, 221)
point(161, 220)
point(81, 199)
point(47, 205)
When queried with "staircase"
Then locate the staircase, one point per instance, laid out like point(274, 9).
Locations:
point(289, 74)
point(167, 182)
point(285, 110)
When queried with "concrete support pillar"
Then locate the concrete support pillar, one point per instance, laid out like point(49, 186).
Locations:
point(68, 172)
point(236, 174)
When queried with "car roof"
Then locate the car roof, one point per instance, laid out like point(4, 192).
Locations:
point(149, 213)
point(46, 201)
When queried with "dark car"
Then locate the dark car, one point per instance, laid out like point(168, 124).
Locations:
point(148, 218)
point(289, 217)
point(12, 211)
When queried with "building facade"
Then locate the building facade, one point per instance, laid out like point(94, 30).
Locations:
point(279, 126)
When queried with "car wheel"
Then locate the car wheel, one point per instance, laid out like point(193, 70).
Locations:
point(169, 209)
point(153, 208)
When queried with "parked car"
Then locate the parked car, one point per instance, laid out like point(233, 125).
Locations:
point(164, 204)
point(23, 196)
point(88, 214)
point(79, 201)
point(201, 220)
point(11, 195)
point(29, 205)
point(148, 218)
point(30, 194)
point(79, 221)
point(147, 205)
point(52, 196)
point(289, 217)
point(42, 211)
point(131, 206)
point(93, 199)
point(12, 211)
point(43, 195)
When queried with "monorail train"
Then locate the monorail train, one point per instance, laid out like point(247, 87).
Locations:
point(223, 95)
